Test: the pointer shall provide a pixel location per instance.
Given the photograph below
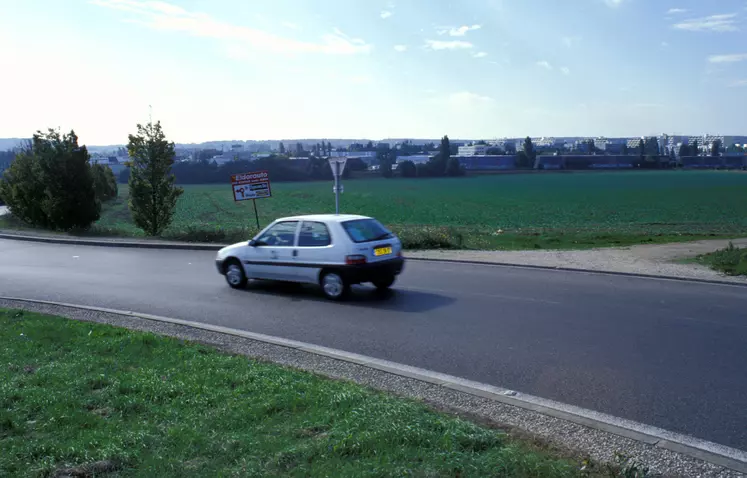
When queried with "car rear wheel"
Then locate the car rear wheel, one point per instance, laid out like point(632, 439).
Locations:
point(334, 286)
point(384, 283)
point(235, 276)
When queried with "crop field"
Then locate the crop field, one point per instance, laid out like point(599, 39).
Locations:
point(567, 211)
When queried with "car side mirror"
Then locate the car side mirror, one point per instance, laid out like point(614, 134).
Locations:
point(253, 243)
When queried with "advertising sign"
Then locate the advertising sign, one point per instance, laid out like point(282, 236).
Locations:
point(255, 185)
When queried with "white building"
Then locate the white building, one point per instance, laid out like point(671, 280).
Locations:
point(474, 150)
point(601, 143)
point(353, 154)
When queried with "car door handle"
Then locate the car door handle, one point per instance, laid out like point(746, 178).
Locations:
point(295, 253)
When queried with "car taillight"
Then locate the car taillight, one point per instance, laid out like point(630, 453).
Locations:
point(355, 259)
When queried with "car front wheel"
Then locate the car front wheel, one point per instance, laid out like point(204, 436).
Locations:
point(384, 282)
point(334, 286)
point(235, 275)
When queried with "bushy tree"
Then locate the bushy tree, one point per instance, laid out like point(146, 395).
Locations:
point(153, 194)
point(716, 148)
point(695, 149)
point(624, 149)
point(50, 183)
point(385, 165)
point(407, 169)
point(104, 182)
point(684, 150)
point(454, 168)
point(529, 151)
point(281, 148)
point(522, 160)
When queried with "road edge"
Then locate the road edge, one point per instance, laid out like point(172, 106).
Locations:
point(710, 452)
point(216, 247)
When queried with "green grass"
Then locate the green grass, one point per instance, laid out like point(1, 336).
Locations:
point(731, 261)
point(95, 397)
point(527, 211)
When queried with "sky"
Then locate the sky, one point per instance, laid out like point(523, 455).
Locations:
point(285, 69)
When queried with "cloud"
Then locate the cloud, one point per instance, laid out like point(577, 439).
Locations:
point(386, 14)
point(565, 70)
point(164, 16)
point(464, 99)
point(738, 84)
point(290, 25)
point(458, 31)
point(571, 41)
point(674, 11)
point(361, 79)
point(725, 22)
point(448, 45)
point(664, 44)
point(400, 48)
point(480, 54)
point(544, 64)
point(614, 3)
point(733, 58)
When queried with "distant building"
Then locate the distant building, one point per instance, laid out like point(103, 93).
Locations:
point(417, 159)
point(474, 150)
point(353, 154)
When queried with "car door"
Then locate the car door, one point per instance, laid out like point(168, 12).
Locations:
point(271, 257)
point(315, 249)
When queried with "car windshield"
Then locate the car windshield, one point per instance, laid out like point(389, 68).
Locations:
point(366, 230)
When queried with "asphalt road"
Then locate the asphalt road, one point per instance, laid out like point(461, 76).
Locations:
point(665, 353)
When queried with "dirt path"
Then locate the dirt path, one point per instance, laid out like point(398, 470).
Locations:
point(648, 259)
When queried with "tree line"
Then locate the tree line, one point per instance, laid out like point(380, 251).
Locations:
point(52, 184)
point(442, 164)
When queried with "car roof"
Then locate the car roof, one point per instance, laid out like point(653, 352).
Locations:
point(324, 217)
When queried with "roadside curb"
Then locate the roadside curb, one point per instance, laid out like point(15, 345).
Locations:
point(693, 447)
point(113, 243)
point(216, 247)
point(575, 269)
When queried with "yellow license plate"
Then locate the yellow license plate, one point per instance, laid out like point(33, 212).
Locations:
point(382, 251)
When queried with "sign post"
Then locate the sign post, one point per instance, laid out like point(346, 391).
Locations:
point(254, 185)
point(338, 166)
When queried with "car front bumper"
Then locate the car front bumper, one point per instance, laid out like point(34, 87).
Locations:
point(219, 265)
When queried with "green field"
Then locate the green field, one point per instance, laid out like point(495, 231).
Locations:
point(507, 211)
point(82, 399)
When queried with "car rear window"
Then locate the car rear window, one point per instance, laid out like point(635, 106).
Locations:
point(366, 230)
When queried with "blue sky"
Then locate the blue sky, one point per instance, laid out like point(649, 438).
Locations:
point(280, 69)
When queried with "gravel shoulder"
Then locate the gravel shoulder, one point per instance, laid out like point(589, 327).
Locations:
point(569, 438)
point(659, 260)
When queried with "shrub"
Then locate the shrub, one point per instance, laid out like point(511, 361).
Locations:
point(50, 184)
point(104, 182)
point(407, 169)
point(454, 168)
point(429, 237)
point(731, 261)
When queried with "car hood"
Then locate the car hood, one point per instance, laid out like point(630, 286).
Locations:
point(229, 250)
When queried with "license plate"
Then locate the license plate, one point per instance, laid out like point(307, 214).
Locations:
point(382, 251)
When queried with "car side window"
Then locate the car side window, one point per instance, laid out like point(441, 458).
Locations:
point(282, 234)
point(314, 234)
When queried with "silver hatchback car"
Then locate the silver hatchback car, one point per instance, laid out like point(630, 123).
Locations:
point(334, 251)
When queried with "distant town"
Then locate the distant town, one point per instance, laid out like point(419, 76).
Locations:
point(706, 151)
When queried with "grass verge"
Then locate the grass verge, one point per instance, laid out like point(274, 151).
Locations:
point(731, 261)
point(92, 400)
